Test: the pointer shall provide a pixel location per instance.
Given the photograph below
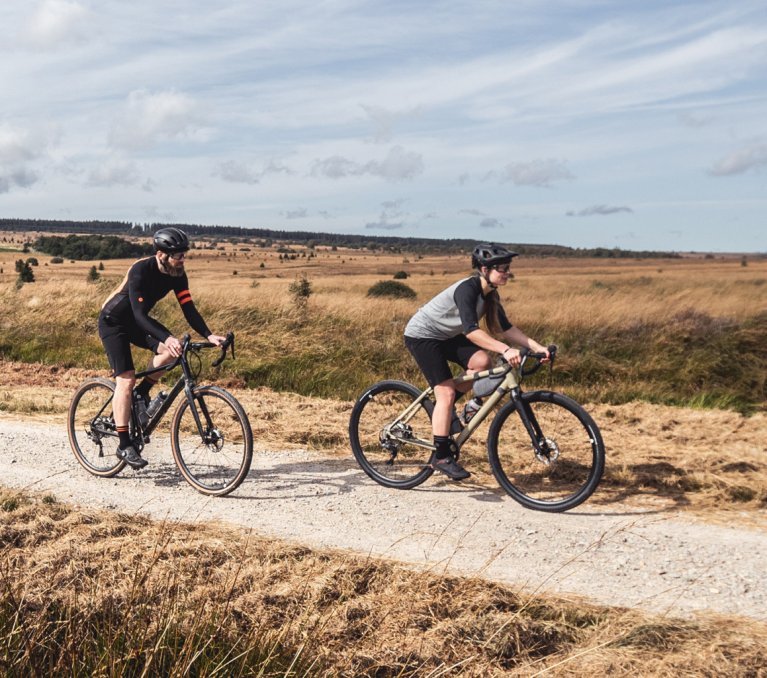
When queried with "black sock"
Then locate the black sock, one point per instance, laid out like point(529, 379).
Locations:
point(444, 446)
point(122, 433)
point(144, 387)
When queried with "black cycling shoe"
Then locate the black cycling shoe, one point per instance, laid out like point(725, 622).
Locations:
point(450, 467)
point(131, 457)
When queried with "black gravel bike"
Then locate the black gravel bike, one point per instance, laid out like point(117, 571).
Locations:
point(210, 433)
point(544, 448)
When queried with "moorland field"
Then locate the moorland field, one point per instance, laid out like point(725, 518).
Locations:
point(670, 355)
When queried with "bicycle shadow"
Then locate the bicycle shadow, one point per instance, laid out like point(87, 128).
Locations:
point(323, 477)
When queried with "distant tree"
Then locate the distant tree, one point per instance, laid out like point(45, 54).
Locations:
point(25, 272)
point(32, 261)
point(401, 275)
point(101, 266)
point(93, 274)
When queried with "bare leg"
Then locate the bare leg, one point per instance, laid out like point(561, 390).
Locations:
point(121, 404)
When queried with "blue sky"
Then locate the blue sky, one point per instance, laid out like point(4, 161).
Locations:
point(575, 122)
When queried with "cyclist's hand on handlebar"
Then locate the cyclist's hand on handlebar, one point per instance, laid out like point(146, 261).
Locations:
point(216, 339)
point(173, 345)
point(513, 356)
point(543, 349)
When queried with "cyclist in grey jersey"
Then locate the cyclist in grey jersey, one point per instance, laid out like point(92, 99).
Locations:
point(447, 329)
point(453, 311)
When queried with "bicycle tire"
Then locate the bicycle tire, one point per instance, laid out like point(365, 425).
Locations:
point(89, 424)
point(554, 484)
point(218, 464)
point(391, 462)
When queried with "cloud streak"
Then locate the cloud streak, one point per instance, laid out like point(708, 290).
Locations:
point(749, 157)
point(398, 165)
point(599, 210)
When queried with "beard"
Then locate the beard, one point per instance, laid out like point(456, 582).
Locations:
point(175, 271)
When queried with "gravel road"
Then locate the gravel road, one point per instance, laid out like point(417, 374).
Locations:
point(625, 558)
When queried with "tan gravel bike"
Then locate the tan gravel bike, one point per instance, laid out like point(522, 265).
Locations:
point(544, 448)
point(210, 433)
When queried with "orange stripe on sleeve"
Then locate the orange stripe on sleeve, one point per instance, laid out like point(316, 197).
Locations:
point(184, 297)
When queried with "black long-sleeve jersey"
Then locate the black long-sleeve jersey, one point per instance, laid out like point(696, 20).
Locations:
point(143, 286)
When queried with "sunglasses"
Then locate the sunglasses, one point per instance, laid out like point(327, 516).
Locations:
point(177, 256)
point(502, 269)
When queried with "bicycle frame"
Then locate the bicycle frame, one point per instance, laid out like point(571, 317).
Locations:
point(509, 385)
point(186, 382)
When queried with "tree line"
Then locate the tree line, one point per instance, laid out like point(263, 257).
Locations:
point(90, 247)
point(393, 244)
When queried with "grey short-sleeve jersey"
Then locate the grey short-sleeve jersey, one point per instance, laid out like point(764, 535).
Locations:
point(456, 310)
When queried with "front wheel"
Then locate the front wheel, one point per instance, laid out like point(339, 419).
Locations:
point(91, 428)
point(393, 451)
point(214, 457)
point(566, 468)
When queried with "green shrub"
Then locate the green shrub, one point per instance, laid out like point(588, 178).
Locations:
point(391, 288)
point(401, 275)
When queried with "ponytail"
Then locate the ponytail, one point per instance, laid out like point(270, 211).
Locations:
point(492, 303)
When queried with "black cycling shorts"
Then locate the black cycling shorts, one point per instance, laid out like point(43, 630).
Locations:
point(432, 355)
point(117, 340)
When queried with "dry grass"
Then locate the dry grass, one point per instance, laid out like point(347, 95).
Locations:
point(174, 599)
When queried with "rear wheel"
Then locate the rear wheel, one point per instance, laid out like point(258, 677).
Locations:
point(216, 457)
point(567, 468)
point(386, 448)
point(91, 428)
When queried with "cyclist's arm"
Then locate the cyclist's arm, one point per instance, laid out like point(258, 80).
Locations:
point(516, 336)
point(487, 341)
point(192, 315)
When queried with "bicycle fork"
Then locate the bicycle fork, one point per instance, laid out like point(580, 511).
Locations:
point(546, 450)
point(208, 433)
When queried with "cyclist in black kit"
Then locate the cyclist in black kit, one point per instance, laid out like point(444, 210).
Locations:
point(447, 329)
point(124, 320)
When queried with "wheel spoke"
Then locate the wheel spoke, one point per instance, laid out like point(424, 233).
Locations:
point(382, 444)
point(216, 459)
point(566, 465)
point(91, 428)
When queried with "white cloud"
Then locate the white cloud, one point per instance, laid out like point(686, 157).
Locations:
point(398, 165)
point(534, 173)
point(114, 173)
point(490, 222)
point(237, 172)
point(150, 118)
point(55, 23)
point(598, 210)
point(751, 156)
point(384, 120)
point(18, 145)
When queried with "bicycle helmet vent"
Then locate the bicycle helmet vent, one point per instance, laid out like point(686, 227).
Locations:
point(489, 254)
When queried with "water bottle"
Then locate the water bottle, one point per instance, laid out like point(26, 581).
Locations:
point(471, 408)
point(140, 407)
point(156, 403)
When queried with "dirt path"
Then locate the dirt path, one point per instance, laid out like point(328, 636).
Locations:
point(629, 558)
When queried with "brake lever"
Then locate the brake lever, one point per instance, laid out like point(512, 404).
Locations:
point(228, 343)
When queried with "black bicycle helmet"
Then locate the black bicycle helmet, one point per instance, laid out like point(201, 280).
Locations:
point(171, 240)
point(490, 254)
